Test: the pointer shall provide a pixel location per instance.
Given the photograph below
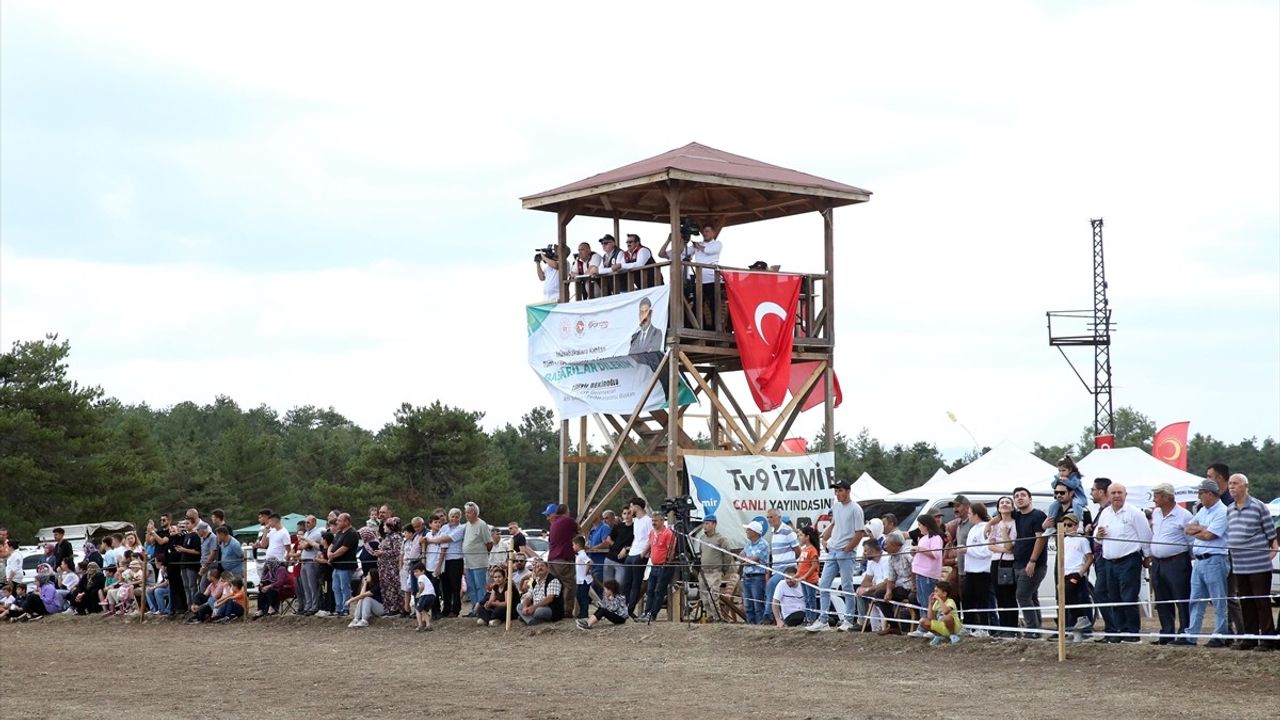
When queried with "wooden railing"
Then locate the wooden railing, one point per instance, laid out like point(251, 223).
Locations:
point(706, 317)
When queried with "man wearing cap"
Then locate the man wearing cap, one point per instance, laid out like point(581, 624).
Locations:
point(756, 553)
point(598, 543)
point(715, 564)
point(1125, 535)
point(1253, 545)
point(1208, 530)
point(841, 539)
point(610, 263)
point(560, 555)
point(1170, 563)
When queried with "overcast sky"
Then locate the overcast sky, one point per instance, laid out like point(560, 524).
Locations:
point(309, 204)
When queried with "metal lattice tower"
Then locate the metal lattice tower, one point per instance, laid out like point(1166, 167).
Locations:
point(1092, 328)
point(1103, 415)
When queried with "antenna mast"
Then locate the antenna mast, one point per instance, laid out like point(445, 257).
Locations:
point(1096, 333)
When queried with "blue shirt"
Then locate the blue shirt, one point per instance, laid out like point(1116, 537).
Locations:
point(232, 557)
point(456, 533)
point(782, 545)
point(1213, 519)
point(1252, 530)
point(597, 536)
point(757, 551)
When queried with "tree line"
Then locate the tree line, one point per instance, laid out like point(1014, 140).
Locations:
point(69, 453)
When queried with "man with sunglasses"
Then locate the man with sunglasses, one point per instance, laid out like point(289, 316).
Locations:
point(636, 256)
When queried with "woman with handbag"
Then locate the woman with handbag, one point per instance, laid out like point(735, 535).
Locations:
point(1001, 532)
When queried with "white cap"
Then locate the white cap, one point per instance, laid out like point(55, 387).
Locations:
point(756, 526)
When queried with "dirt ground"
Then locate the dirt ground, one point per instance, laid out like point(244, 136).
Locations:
point(303, 667)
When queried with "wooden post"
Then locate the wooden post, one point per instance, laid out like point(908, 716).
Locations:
point(510, 558)
point(582, 466)
point(828, 309)
point(675, 322)
point(142, 601)
point(1062, 598)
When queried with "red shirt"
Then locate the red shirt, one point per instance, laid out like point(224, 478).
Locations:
point(560, 538)
point(660, 545)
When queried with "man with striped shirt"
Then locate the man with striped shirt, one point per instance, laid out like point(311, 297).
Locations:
point(1252, 536)
point(784, 548)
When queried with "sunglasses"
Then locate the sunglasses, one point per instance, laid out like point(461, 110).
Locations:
point(1057, 492)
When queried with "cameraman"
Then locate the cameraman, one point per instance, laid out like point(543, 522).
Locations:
point(704, 252)
point(550, 276)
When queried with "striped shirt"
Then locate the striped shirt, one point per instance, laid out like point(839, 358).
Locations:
point(782, 547)
point(1250, 532)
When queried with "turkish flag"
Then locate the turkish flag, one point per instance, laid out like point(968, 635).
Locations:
point(763, 306)
point(800, 372)
point(1104, 442)
point(1170, 445)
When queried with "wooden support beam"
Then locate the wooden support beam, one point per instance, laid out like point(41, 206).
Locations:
point(582, 468)
point(737, 408)
point(616, 448)
point(792, 408)
point(697, 376)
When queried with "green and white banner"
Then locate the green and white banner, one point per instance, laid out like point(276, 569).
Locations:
point(598, 355)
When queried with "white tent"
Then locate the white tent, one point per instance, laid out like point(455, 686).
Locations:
point(937, 475)
point(866, 488)
point(1138, 471)
point(1003, 468)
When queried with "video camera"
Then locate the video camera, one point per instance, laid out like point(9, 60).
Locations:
point(688, 227)
point(680, 505)
point(548, 252)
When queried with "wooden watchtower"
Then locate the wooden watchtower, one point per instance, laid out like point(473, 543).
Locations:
point(720, 189)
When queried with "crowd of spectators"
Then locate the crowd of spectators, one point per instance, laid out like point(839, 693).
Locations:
point(979, 574)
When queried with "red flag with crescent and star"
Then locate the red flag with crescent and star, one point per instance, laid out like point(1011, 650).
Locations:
point(763, 306)
point(1170, 445)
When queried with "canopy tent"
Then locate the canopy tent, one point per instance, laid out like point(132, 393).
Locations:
point(288, 522)
point(866, 488)
point(1003, 468)
point(1138, 471)
point(938, 474)
point(79, 531)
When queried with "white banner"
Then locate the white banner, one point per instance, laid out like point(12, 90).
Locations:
point(738, 489)
point(598, 355)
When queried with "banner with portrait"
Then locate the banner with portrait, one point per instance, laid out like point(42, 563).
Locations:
point(599, 355)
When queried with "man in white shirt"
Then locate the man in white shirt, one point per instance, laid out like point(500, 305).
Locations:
point(610, 262)
point(1170, 563)
point(309, 585)
point(1125, 537)
point(275, 539)
point(702, 252)
point(637, 556)
point(13, 566)
point(636, 256)
point(584, 266)
point(788, 600)
point(550, 276)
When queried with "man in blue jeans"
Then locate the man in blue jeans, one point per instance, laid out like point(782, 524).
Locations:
point(342, 557)
point(1125, 535)
point(841, 539)
point(1209, 570)
point(756, 554)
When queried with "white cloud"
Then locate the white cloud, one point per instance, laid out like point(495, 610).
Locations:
point(990, 134)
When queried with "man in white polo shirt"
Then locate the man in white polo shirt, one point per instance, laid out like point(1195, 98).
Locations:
point(788, 600)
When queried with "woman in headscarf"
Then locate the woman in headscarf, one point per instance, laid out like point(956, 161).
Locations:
point(368, 552)
point(389, 567)
point(273, 586)
point(91, 554)
point(86, 598)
